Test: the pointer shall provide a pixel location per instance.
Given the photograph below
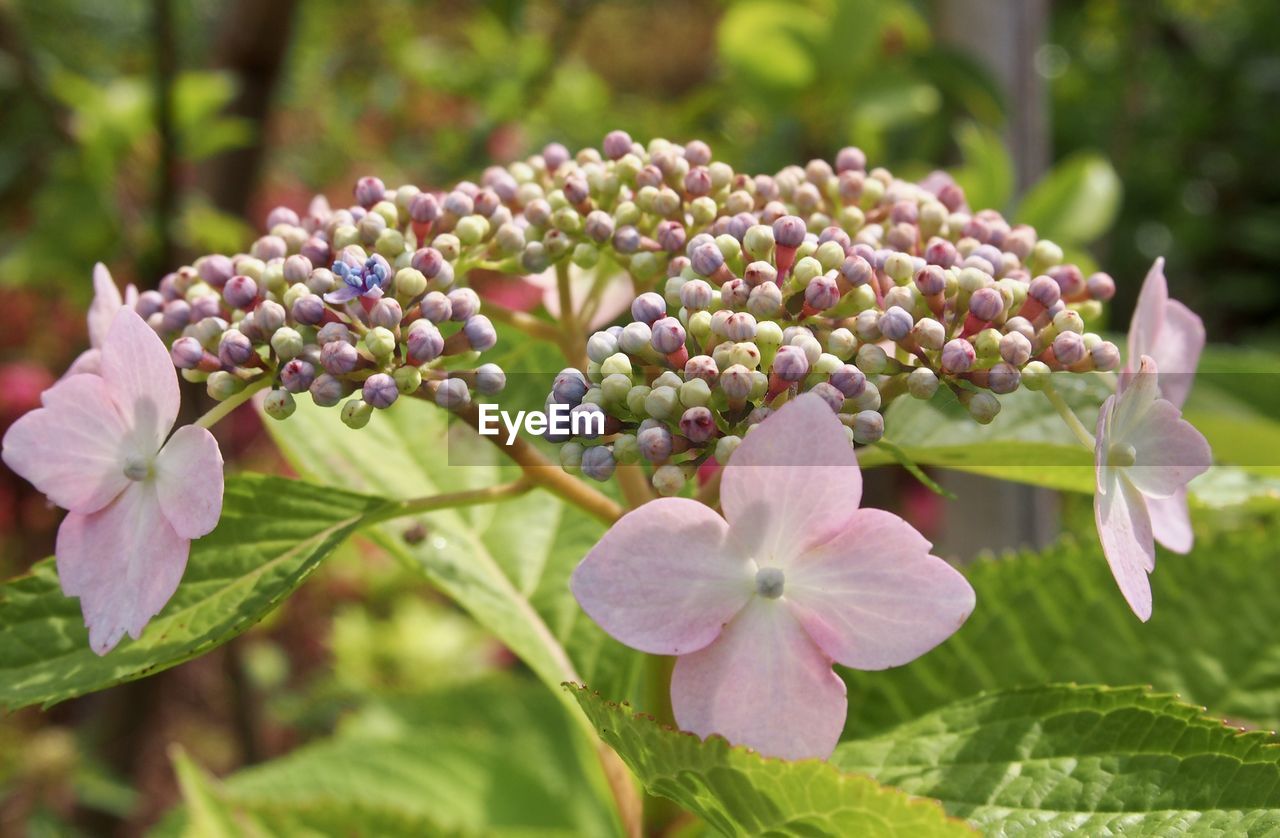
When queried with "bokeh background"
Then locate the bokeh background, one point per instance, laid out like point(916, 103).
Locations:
point(141, 133)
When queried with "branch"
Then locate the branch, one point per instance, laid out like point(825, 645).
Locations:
point(451, 500)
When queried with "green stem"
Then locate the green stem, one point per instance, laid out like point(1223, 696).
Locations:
point(225, 406)
point(452, 500)
point(1068, 415)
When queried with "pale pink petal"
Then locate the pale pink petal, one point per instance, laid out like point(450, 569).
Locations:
point(88, 362)
point(141, 379)
point(1148, 314)
point(873, 597)
point(1170, 451)
point(131, 295)
point(124, 562)
point(1138, 392)
point(763, 684)
point(1171, 521)
point(1124, 528)
point(661, 581)
point(1177, 351)
point(793, 483)
point(74, 448)
point(189, 481)
point(106, 302)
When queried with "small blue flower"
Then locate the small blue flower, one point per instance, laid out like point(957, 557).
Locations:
point(367, 280)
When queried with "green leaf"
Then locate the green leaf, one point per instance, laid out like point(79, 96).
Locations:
point(1059, 760)
point(272, 535)
point(1058, 616)
point(771, 43)
point(1076, 202)
point(738, 792)
point(495, 561)
point(495, 758)
point(987, 173)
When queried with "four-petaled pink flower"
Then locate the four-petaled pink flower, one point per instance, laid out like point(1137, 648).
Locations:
point(1145, 453)
point(97, 448)
point(758, 606)
point(102, 311)
point(1173, 336)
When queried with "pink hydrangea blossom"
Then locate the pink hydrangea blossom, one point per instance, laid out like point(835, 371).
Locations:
point(1173, 336)
point(1146, 453)
point(97, 447)
point(102, 311)
point(759, 603)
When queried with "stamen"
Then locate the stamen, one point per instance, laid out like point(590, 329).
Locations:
point(1121, 455)
point(769, 582)
point(136, 468)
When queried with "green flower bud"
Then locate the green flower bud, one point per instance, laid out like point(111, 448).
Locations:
point(987, 344)
point(899, 267)
point(872, 192)
point(668, 378)
point(971, 279)
point(287, 343)
point(408, 379)
point(842, 344)
point(294, 293)
point(868, 399)
point(272, 279)
point(389, 212)
point(745, 353)
point(410, 283)
point(472, 229)
point(626, 214)
point(806, 269)
point(695, 393)
point(593, 371)
point(635, 398)
point(390, 243)
point(703, 210)
point(725, 446)
point(862, 298)
point(251, 268)
point(571, 457)
point(626, 449)
point(616, 364)
point(615, 388)
point(826, 364)
point(223, 385)
point(1068, 321)
point(851, 219)
point(922, 383)
point(700, 326)
point(645, 266)
point(984, 407)
point(1089, 310)
point(1045, 254)
point(668, 480)
point(568, 220)
point(871, 359)
point(585, 255)
point(345, 235)
point(1035, 375)
point(757, 243)
point(380, 342)
point(448, 245)
point(279, 404)
point(768, 334)
point(594, 395)
point(356, 413)
point(662, 402)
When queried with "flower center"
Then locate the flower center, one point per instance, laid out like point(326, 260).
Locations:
point(136, 468)
point(1121, 455)
point(769, 582)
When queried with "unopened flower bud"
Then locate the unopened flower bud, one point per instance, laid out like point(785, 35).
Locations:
point(424, 342)
point(984, 407)
point(868, 427)
point(958, 356)
point(655, 443)
point(668, 480)
point(598, 463)
point(571, 457)
point(790, 363)
point(287, 343)
point(187, 353)
point(986, 304)
point(896, 323)
point(408, 379)
point(223, 385)
point(279, 404)
point(569, 387)
point(871, 359)
point(356, 413)
point(480, 333)
point(1068, 348)
point(1106, 357)
point(297, 375)
point(234, 349)
point(452, 394)
point(616, 144)
point(436, 307)
point(380, 390)
point(697, 425)
point(463, 303)
point(327, 390)
point(662, 402)
point(1003, 378)
point(1015, 348)
point(380, 342)
point(648, 308)
point(339, 357)
point(240, 292)
point(668, 335)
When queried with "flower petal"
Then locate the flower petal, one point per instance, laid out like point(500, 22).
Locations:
point(141, 379)
point(73, 449)
point(1148, 314)
point(1177, 351)
point(661, 581)
point(106, 302)
point(189, 481)
point(124, 562)
point(342, 294)
point(1171, 521)
point(763, 684)
point(1124, 527)
point(873, 597)
point(793, 483)
point(1137, 392)
point(1170, 451)
point(88, 362)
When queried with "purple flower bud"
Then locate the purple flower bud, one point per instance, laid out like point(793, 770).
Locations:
point(697, 425)
point(695, 295)
point(788, 231)
point(648, 308)
point(452, 394)
point(205, 305)
point(706, 259)
point(654, 443)
point(234, 348)
point(369, 191)
point(986, 304)
point(790, 363)
point(765, 301)
point(701, 366)
point(428, 260)
point(856, 270)
point(187, 353)
point(386, 313)
point(736, 382)
point(958, 355)
point(424, 208)
point(175, 315)
point(269, 316)
point(1044, 290)
point(598, 463)
point(569, 387)
point(851, 159)
point(740, 326)
point(308, 310)
point(599, 226)
point(1101, 287)
point(735, 293)
point(490, 379)
point(463, 304)
point(269, 247)
point(338, 357)
point(616, 144)
point(822, 293)
point(668, 335)
point(849, 380)
point(697, 153)
point(480, 333)
point(297, 375)
point(326, 390)
point(868, 427)
point(331, 332)
point(282, 215)
point(459, 203)
point(317, 251)
point(1070, 280)
point(424, 342)
point(215, 269)
point(555, 155)
point(1106, 357)
point(1068, 348)
point(896, 323)
point(436, 307)
point(931, 280)
point(1015, 348)
point(297, 268)
point(1003, 378)
point(240, 292)
point(380, 390)
point(149, 303)
point(697, 181)
point(830, 394)
point(940, 253)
